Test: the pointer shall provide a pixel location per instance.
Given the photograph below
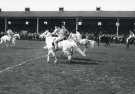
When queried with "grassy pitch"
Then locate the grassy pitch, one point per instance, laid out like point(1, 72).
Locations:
point(103, 71)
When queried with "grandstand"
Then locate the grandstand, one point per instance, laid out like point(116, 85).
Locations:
point(83, 21)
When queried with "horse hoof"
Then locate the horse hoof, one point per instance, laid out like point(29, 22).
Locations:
point(84, 55)
point(55, 61)
point(44, 47)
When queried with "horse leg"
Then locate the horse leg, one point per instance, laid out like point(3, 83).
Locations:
point(9, 44)
point(48, 56)
point(6, 44)
point(13, 43)
point(1, 43)
point(54, 55)
point(72, 51)
point(50, 51)
point(127, 45)
point(80, 51)
point(69, 58)
point(85, 48)
point(68, 54)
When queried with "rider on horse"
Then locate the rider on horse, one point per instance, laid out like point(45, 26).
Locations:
point(62, 34)
point(10, 33)
point(131, 35)
point(56, 30)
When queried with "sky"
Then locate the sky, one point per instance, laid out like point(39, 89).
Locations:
point(69, 5)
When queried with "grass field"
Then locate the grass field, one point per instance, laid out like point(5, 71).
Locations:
point(103, 71)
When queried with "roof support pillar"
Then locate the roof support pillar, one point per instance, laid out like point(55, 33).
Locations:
point(76, 24)
point(37, 25)
point(5, 22)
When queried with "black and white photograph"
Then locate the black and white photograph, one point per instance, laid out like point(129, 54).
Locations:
point(67, 47)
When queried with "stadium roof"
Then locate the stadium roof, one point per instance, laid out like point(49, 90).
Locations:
point(129, 14)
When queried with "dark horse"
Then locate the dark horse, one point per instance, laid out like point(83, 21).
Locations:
point(106, 39)
point(131, 41)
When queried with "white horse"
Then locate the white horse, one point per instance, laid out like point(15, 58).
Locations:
point(8, 40)
point(77, 37)
point(67, 46)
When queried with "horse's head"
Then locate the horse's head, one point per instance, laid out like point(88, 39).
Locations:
point(16, 36)
point(45, 34)
point(75, 36)
point(42, 35)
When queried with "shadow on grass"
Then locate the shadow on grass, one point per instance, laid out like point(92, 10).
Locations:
point(77, 60)
point(81, 61)
point(85, 61)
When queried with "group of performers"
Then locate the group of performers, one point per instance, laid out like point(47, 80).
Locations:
point(63, 33)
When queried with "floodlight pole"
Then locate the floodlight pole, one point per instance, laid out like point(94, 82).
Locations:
point(117, 25)
point(99, 30)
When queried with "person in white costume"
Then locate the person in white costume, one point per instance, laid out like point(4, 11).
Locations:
point(131, 35)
